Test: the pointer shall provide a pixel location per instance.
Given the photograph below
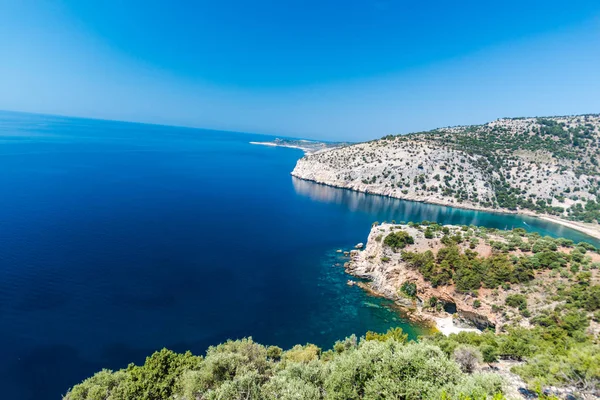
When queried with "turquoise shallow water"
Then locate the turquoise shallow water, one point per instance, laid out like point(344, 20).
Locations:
point(118, 239)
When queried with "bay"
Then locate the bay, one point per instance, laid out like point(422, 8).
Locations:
point(118, 239)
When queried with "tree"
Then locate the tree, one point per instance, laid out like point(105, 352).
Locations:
point(409, 289)
point(398, 240)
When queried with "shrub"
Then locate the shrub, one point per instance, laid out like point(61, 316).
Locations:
point(350, 342)
point(398, 240)
point(396, 334)
point(467, 357)
point(432, 302)
point(98, 387)
point(489, 353)
point(517, 301)
point(304, 354)
point(579, 366)
point(274, 352)
point(409, 289)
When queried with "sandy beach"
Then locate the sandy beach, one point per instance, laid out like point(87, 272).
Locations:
point(589, 229)
point(446, 326)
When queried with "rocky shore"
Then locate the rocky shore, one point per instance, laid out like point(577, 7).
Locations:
point(311, 172)
point(386, 273)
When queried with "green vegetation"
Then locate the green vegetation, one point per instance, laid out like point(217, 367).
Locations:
point(542, 293)
point(559, 354)
point(378, 367)
point(517, 301)
point(394, 333)
point(398, 240)
point(468, 271)
point(495, 147)
point(409, 289)
point(511, 155)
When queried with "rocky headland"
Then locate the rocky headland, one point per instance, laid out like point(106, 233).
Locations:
point(539, 166)
point(463, 278)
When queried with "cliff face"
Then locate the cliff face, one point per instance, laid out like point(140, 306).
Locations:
point(548, 166)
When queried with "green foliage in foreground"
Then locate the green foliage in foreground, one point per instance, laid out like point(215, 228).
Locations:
point(560, 355)
point(380, 366)
point(383, 368)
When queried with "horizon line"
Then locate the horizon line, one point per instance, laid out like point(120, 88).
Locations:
point(277, 136)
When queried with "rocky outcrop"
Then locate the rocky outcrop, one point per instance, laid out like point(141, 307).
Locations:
point(387, 272)
point(478, 276)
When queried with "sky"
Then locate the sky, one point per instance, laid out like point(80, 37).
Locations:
point(334, 70)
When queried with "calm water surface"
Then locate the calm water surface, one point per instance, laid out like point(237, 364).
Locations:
point(119, 239)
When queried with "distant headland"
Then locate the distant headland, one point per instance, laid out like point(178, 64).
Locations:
point(308, 146)
point(548, 167)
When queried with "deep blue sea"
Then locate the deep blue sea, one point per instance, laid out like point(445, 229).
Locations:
point(118, 239)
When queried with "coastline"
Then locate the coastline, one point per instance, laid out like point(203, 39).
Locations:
point(592, 231)
point(307, 146)
point(289, 146)
point(575, 225)
point(433, 322)
point(446, 326)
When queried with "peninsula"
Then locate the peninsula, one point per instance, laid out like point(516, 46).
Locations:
point(308, 146)
point(475, 274)
point(548, 167)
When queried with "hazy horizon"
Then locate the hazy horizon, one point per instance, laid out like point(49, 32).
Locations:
point(268, 134)
point(320, 70)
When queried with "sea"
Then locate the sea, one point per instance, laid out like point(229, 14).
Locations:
point(118, 239)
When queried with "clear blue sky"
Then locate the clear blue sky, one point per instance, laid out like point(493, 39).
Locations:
point(352, 70)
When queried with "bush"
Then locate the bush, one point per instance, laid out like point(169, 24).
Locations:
point(409, 289)
point(467, 357)
point(489, 353)
point(398, 240)
point(391, 370)
point(98, 387)
point(242, 369)
point(432, 302)
point(274, 352)
point(304, 354)
point(155, 380)
point(579, 366)
point(396, 334)
point(517, 301)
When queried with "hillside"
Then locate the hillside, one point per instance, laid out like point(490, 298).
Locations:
point(541, 165)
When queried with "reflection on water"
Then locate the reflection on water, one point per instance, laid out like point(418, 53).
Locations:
point(389, 209)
